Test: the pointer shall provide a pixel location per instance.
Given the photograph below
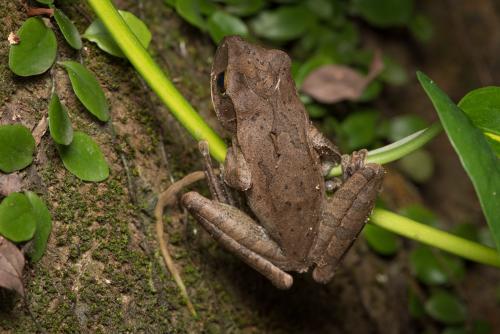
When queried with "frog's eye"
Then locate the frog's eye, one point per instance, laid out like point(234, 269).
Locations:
point(221, 88)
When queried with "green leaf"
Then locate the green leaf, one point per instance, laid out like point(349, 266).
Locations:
point(16, 147)
point(435, 269)
point(221, 24)
point(330, 125)
point(321, 8)
point(17, 222)
point(84, 158)
point(393, 72)
point(421, 28)
point(207, 8)
point(59, 122)
point(371, 92)
point(36, 51)
point(482, 106)
point(68, 29)
point(316, 110)
point(190, 10)
point(381, 241)
point(87, 89)
point(446, 308)
point(415, 305)
point(244, 7)
point(98, 34)
point(43, 226)
point(282, 24)
point(418, 165)
point(466, 231)
point(359, 129)
point(404, 125)
point(385, 13)
point(476, 156)
point(420, 214)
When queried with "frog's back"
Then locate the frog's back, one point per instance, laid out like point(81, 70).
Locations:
point(272, 125)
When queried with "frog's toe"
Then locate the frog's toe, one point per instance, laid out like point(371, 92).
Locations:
point(324, 274)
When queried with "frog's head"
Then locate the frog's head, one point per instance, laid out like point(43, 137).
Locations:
point(243, 72)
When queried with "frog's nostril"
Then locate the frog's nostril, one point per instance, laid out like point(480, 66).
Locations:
point(220, 83)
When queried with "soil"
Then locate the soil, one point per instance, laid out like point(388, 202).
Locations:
point(103, 271)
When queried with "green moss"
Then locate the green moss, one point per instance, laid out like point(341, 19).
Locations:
point(102, 271)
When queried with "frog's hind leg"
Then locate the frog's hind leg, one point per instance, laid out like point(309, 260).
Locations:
point(346, 213)
point(237, 232)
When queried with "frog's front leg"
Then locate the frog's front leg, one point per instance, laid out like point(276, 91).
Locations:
point(237, 232)
point(345, 214)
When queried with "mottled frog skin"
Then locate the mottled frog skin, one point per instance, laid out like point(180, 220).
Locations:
point(277, 160)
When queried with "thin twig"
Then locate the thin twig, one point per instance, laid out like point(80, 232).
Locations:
point(168, 198)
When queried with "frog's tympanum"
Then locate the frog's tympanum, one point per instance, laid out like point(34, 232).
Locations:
point(277, 160)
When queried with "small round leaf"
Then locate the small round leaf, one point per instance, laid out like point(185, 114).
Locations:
point(84, 158)
point(59, 122)
point(191, 10)
point(244, 8)
point(385, 13)
point(283, 24)
point(418, 165)
point(393, 72)
point(17, 222)
point(68, 29)
point(323, 9)
point(435, 270)
point(421, 28)
point(446, 308)
point(98, 34)
point(359, 129)
point(316, 110)
point(87, 89)
point(405, 125)
point(221, 24)
point(16, 147)
point(43, 226)
point(36, 51)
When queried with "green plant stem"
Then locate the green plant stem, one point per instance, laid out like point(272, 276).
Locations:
point(156, 79)
point(191, 120)
point(434, 237)
point(398, 149)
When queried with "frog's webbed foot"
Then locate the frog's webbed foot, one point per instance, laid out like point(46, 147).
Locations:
point(238, 233)
point(345, 214)
point(352, 163)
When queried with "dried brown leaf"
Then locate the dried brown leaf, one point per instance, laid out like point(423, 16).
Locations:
point(10, 183)
point(11, 266)
point(334, 83)
point(40, 130)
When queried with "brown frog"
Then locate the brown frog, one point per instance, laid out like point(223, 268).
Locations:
point(278, 160)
